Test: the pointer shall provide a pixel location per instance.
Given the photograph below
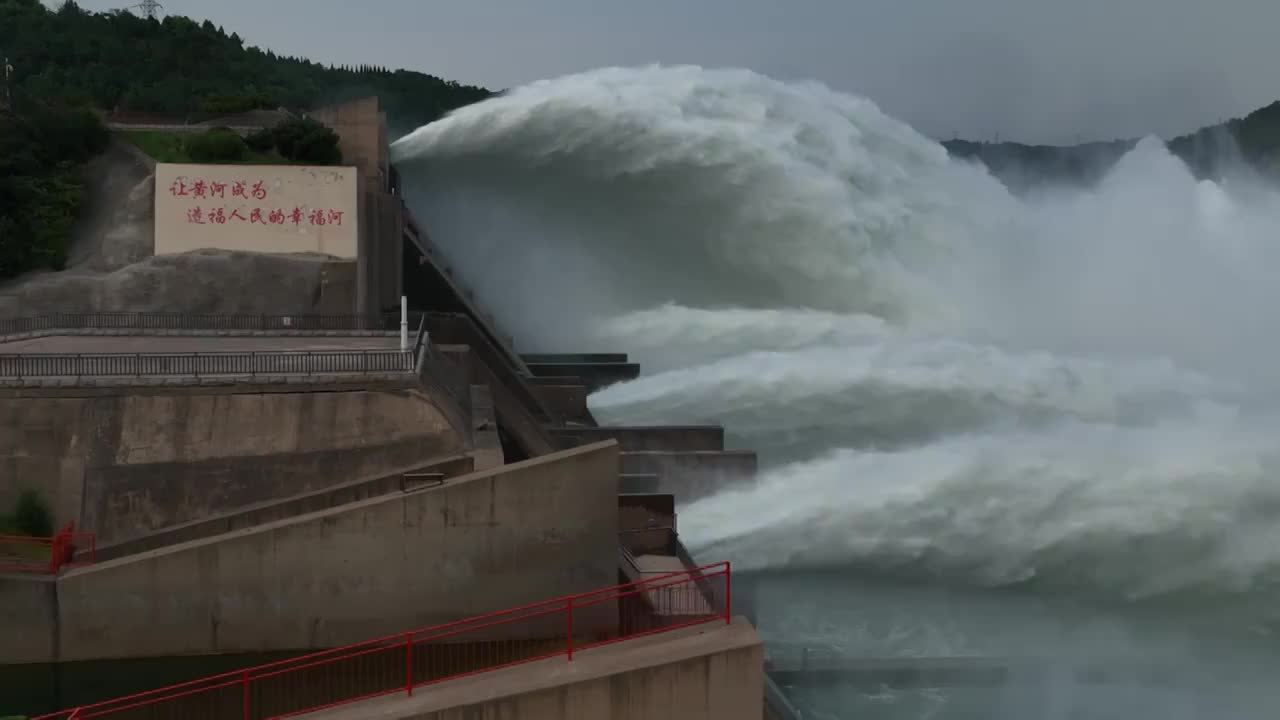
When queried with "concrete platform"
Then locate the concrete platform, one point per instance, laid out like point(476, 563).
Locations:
point(98, 344)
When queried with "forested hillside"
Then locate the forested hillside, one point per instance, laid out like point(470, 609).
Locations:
point(41, 151)
point(1253, 140)
point(67, 62)
point(120, 61)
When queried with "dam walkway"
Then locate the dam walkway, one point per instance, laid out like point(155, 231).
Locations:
point(405, 663)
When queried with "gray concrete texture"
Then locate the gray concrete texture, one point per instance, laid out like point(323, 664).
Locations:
point(565, 402)
point(482, 364)
point(519, 534)
point(204, 281)
point(707, 672)
point(272, 511)
point(125, 464)
point(30, 613)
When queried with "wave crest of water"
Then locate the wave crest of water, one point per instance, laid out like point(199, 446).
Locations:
point(946, 382)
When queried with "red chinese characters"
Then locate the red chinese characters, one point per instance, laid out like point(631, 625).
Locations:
point(317, 217)
point(246, 212)
point(200, 188)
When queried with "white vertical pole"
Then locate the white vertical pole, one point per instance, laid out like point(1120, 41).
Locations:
point(404, 323)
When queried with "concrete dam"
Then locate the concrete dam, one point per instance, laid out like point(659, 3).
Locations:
point(705, 382)
point(272, 487)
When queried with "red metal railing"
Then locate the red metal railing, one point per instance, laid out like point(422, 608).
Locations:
point(407, 661)
point(48, 555)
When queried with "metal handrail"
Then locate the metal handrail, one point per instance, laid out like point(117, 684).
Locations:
point(203, 364)
point(187, 321)
point(243, 682)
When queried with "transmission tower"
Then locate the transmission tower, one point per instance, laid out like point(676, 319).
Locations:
point(149, 8)
point(6, 97)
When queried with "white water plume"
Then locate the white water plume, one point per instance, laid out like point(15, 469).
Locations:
point(1070, 390)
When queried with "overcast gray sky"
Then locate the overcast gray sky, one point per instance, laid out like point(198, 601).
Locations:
point(1032, 70)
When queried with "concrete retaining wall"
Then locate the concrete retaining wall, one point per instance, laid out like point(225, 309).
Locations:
point(513, 402)
point(261, 513)
point(29, 606)
point(487, 541)
point(564, 401)
point(126, 463)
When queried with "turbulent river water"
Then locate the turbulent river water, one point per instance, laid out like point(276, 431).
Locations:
point(988, 424)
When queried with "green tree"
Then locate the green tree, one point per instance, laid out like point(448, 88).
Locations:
point(41, 151)
point(120, 61)
point(261, 140)
point(307, 141)
point(218, 145)
point(31, 515)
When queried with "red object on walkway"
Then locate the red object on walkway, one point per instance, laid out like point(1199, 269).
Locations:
point(48, 555)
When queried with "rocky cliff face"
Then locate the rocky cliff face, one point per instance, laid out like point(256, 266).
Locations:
point(111, 266)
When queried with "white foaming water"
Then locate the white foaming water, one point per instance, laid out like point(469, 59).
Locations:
point(1067, 392)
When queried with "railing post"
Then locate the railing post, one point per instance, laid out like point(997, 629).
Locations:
point(569, 614)
point(728, 593)
point(244, 682)
point(404, 323)
point(408, 663)
point(54, 553)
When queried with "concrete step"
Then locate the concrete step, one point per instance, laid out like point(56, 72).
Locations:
point(594, 376)
point(689, 475)
point(637, 484)
point(575, 358)
point(668, 438)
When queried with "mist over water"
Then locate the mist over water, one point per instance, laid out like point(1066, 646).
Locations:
point(953, 390)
